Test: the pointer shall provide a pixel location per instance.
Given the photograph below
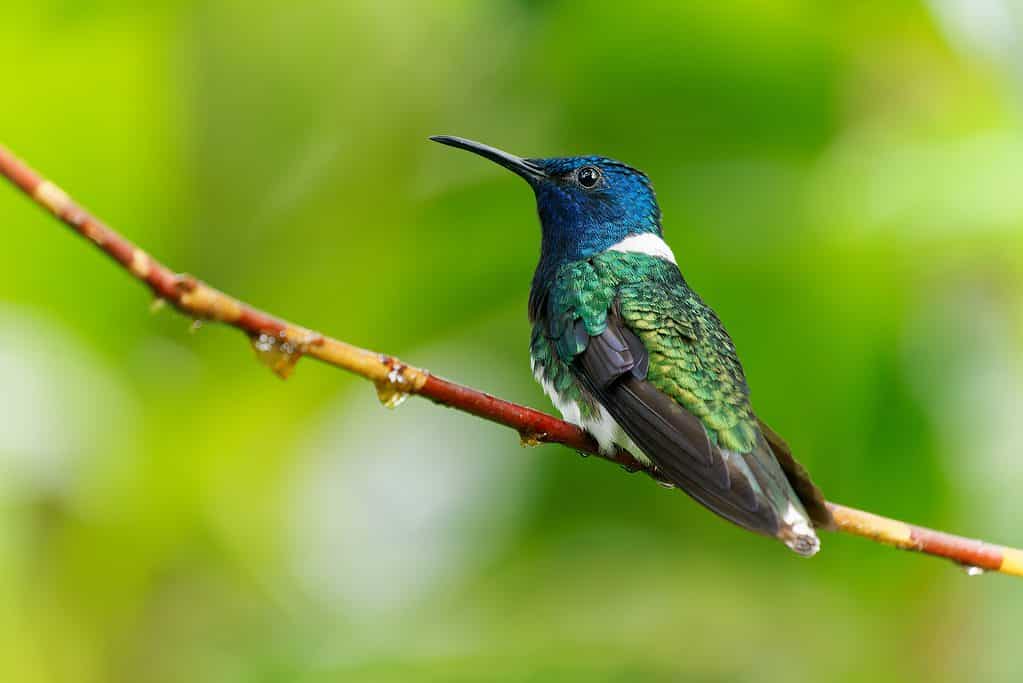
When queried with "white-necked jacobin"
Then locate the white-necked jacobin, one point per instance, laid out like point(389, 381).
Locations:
point(627, 351)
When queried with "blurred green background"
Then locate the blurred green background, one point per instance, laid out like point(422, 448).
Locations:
point(840, 180)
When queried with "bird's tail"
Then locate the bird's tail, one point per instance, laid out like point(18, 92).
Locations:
point(809, 495)
point(793, 524)
point(811, 510)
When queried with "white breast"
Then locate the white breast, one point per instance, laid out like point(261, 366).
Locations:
point(646, 243)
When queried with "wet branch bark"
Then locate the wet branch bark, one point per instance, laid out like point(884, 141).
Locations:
point(281, 344)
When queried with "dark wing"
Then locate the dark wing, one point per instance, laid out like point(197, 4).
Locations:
point(613, 367)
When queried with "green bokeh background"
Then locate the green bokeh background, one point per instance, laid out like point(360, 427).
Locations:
point(841, 180)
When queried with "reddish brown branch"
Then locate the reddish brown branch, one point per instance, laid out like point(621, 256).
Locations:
point(281, 344)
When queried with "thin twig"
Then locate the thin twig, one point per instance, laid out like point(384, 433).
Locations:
point(281, 344)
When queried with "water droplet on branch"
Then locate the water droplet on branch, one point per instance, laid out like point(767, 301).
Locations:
point(393, 391)
point(531, 439)
point(195, 326)
point(389, 396)
point(277, 353)
point(972, 570)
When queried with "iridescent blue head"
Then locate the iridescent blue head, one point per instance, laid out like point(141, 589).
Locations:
point(586, 204)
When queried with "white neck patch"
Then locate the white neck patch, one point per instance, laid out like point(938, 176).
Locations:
point(646, 243)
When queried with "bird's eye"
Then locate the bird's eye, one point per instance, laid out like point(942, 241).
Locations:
point(588, 176)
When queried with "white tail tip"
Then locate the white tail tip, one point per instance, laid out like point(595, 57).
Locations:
point(798, 534)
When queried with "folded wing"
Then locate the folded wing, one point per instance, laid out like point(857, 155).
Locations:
point(613, 368)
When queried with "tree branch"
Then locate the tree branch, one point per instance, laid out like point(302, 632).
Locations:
point(280, 344)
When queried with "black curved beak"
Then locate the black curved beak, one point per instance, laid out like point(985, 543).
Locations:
point(523, 167)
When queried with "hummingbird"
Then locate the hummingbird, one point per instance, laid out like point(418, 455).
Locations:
point(627, 351)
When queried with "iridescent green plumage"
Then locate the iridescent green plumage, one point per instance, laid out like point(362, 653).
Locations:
point(683, 368)
point(692, 358)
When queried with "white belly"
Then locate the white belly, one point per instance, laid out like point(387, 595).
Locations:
point(605, 430)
